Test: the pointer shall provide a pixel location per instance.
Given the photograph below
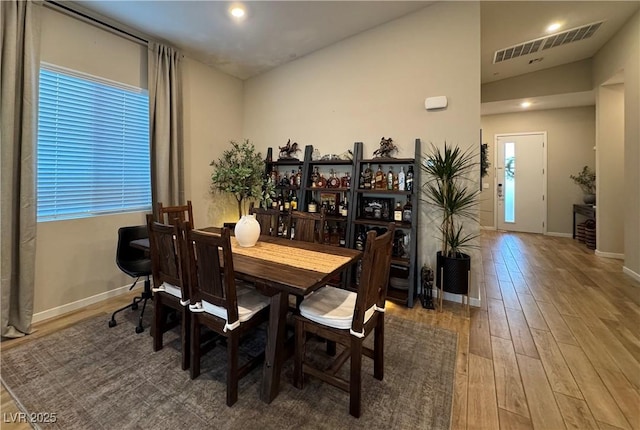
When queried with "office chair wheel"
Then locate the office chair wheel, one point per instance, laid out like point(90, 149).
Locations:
point(139, 329)
point(112, 323)
point(134, 306)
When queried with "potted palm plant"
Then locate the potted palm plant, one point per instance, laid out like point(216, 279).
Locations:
point(449, 189)
point(240, 172)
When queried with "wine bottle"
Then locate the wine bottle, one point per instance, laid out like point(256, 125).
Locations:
point(406, 211)
point(379, 179)
point(397, 212)
point(401, 179)
point(410, 179)
point(390, 178)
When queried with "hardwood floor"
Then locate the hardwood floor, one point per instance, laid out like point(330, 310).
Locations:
point(555, 343)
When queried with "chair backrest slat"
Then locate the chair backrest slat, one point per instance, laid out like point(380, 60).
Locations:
point(166, 248)
point(211, 274)
point(307, 227)
point(175, 214)
point(376, 264)
point(267, 218)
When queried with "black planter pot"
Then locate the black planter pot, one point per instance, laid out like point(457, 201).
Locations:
point(455, 274)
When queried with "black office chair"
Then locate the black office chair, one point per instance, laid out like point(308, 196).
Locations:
point(135, 263)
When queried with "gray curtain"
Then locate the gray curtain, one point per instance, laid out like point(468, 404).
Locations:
point(165, 125)
point(19, 75)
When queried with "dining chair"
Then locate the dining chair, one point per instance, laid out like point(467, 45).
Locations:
point(175, 214)
point(167, 249)
point(268, 219)
point(135, 263)
point(221, 303)
point(307, 227)
point(347, 318)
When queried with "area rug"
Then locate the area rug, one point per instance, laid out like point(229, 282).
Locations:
point(90, 376)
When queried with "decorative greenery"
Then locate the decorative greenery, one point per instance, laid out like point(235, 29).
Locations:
point(484, 160)
point(240, 172)
point(448, 188)
point(586, 180)
point(268, 193)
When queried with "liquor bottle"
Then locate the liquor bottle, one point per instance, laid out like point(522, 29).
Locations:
point(390, 178)
point(292, 179)
point(281, 203)
point(274, 202)
point(342, 241)
point(274, 176)
point(299, 177)
point(397, 212)
point(401, 179)
point(406, 211)
point(345, 181)
point(368, 176)
point(361, 239)
point(326, 234)
point(362, 181)
point(333, 181)
point(379, 179)
point(294, 203)
point(410, 179)
point(314, 177)
point(313, 206)
point(322, 181)
point(287, 202)
point(284, 180)
point(344, 209)
point(385, 211)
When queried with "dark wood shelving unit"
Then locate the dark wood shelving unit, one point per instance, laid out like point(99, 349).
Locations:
point(352, 222)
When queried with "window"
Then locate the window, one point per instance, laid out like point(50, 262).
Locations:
point(93, 146)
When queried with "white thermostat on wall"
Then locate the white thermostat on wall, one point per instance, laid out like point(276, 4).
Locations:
point(432, 103)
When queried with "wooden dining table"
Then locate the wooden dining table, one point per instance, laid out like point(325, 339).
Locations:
point(279, 267)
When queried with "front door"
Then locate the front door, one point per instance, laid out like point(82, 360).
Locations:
point(521, 182)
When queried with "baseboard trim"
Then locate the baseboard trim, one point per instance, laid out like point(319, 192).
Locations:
point(609, 255)
point(78, 304)
point(488, 227)
point(556, 234)
point(631, 273)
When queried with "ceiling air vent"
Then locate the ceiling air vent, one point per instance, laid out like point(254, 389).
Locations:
point(542, 43)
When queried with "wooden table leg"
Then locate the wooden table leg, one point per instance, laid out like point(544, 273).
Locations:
point(275, 347)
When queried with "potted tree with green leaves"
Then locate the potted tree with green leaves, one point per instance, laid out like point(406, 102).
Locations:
point(586, 180)
point(240, 172)
point(450, 190)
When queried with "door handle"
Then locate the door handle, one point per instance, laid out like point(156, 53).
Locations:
point(499, 191)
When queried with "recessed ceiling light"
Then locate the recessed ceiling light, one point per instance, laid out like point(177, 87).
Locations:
point(553, 27)
point(525, 104)
point(237, 11)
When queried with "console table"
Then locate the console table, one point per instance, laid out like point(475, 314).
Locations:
point(588, 211)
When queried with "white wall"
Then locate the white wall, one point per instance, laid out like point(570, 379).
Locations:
point(610, 166)
point(622, 54)
point(373, 85)
point(570, 143)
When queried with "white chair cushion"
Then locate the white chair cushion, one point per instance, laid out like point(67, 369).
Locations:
point(332, 307)
point(250, 302)
point(171, 289)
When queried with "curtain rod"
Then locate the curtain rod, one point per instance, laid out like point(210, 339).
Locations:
point(95, 21)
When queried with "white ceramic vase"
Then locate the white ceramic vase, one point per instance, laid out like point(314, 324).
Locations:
point(247, 231)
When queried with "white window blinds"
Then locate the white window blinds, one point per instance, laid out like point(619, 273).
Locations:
point(93, 147)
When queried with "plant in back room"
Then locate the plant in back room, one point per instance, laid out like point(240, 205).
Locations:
point(449, 188)
point(586, 180)
point(240, 172)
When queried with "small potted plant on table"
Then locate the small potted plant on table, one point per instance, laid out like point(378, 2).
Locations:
point(586, 180)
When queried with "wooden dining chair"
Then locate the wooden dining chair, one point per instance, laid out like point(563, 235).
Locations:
point(167, 249)
point(221, 303)
point(347, 317)
point(268, 219)
point(175, 214)
point(307, 227)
